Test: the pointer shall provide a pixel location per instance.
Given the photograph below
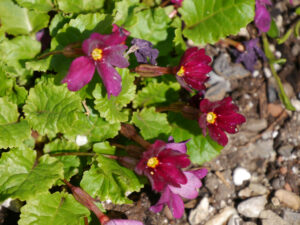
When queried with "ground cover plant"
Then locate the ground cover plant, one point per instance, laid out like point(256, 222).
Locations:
point(102, 98)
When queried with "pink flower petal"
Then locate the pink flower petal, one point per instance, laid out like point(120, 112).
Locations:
point(124, 222)
point(218, 135)
point(110, 77)
point(171, 174)
point(164, 198)
point(262, 18)
point(200, 173)
point(80, 73)
point(114, 56)
point(176, 205)
point(180, 147)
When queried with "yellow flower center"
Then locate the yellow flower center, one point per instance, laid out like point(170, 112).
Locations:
point(180, 71)
point(152, 162)
point(211, 117)
point(97, 54)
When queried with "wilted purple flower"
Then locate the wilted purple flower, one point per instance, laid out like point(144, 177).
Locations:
point(172, 196)
point(250, 56)
point(102, 52)
point(43, 36)
point(262, 17)
point(145, 51)
point(123, 222)
point(162, 164)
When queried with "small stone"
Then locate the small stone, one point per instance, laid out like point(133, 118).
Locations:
point(289, 90)
point(258, 189)
point(283, 170)
point(267, 72)
point(274, 109)
point(286, 150)
point(277, 183)
point(268, 217)
point(292, 217)
point(275, 201)
point(252, 207)
point(255, 73)
point(256, 125)
point(249, 223)
point(240, 175)
point(222, 217)
point(200, 213)
point(81, 140)
point(288, 198)
point(245, 193)
point(296, 103)
point(235, 220)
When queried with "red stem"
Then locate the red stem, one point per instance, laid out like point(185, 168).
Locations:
point(129, 131)
point(146, 70)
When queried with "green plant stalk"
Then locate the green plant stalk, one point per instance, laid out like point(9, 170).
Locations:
point(284, 99)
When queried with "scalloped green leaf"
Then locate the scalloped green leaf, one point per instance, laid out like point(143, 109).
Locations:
point(38, 5)
point(112, 109)
point(104, 148)
point(21, 177)
point(209, 21)
point(123, 11)
point(16, 20)
point(50, 109)
point(15, 52)
point(77, 6)
point(12, 132)
point(109, 181)
point(53, 209)
point(155, 93)
point(70, 162)
point(202, 149)
point(151, 123)
point(149, 24)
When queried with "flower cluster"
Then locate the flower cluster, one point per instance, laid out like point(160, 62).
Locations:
point(162, 163)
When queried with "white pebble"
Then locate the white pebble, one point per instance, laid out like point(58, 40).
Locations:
point(240, 175)
point(255, 73)
point(277, 67)
point(81, 140)
point(267, 72)
point(278, 54)
point(275, 134)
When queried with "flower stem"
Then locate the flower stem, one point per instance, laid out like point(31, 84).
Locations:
point(129, 131)
point(85, 199)
point(187, 111)
point(239, 46)
point(50, 53)
point(146, 70)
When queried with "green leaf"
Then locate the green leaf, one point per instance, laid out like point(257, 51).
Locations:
point(12, 132)
point(112, 109)
point(21, 178)
point(38, 5)
point(149, 24)
point(22, 20)
point(151, 123)
point(16, 52)
point(78, 6)
point(155, 93)
point(209, 21)
point(285, 36)
point(123, 11)
point(51, 109)
point(71, 163)
point(104, 148)
point(273, 31)
point(110, 181)
point(53, 209)
point(202, 149)
point(178, 40)
point(41, 65)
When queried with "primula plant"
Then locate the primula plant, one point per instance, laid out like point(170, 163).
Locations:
point(101, 98)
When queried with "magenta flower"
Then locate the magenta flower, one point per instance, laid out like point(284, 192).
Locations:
point(162, 164)
point(123, 222)
point(102, 51)
point(177, 2)
point(218, 117)
point(172, 196)
point(262, 17)
point(193, 69)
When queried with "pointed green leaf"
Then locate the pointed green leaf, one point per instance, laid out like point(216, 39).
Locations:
point(149, 24)
point(112, 109)
point(209, 21)
point(51, 109)
point(22, 20)
point(151, 123)
point(77, 6)
point(70, 162)
point(155, 93)
point(110, 181)
point(53, 209)
point(12, 132)
point(21, 178)
point(38, 5)
point(202, 149)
